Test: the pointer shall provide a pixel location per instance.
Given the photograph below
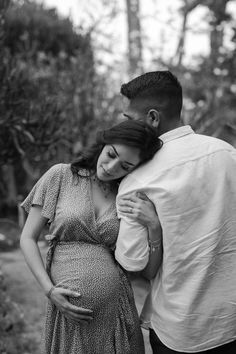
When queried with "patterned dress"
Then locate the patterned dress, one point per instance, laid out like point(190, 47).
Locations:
point(80, 258)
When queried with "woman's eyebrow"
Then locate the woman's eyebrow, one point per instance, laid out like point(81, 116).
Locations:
point(115, 151)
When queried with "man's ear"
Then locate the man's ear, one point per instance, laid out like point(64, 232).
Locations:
point(154, 117)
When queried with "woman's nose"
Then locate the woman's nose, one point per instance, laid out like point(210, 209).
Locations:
point(112, 166)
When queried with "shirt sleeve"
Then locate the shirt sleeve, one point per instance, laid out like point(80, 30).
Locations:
point(45, 193)
point(132, 250)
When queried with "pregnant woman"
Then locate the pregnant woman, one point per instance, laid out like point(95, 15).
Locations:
point(91, 307)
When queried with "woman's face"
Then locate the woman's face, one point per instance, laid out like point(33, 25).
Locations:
point(116, 161)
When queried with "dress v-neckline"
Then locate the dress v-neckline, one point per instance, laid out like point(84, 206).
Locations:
point(99, 217)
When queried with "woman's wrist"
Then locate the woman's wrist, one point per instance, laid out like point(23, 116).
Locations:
point(154, 235)
point(48, 292)
point(154, 226)
point(154, 245)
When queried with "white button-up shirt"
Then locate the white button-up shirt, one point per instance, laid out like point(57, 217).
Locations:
point(192, 182)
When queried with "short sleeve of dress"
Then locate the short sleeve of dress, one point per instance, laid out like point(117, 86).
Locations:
point(45, 192)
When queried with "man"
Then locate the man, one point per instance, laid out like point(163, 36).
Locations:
point(192, 182)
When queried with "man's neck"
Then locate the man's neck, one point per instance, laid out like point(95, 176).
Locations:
point(171, 126)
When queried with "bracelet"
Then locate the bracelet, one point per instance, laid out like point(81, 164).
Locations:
point(153, 245)
point(49, 293)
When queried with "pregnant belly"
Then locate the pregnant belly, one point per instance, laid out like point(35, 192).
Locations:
point(88, 269)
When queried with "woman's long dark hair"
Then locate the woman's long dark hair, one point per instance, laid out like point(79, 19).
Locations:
point(137, 134)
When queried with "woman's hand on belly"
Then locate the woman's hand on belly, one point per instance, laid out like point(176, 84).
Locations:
point(59, 298)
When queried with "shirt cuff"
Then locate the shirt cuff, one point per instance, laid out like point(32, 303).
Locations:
point(132, 265)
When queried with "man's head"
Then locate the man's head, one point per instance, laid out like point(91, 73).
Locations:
point(155, 97)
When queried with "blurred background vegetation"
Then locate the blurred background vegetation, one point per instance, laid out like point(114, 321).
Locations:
point(53, 95)
point(56, 91)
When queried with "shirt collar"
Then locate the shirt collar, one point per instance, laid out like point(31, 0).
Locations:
point(176, 133)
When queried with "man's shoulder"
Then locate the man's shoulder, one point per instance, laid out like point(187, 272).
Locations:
point(214, 141)
point(130, 182)
point(139, 178)
point(172, 156)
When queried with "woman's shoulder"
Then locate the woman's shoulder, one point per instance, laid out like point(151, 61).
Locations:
point(64, 169)
point(58, 171)
point(59, 168)
point(64, 172)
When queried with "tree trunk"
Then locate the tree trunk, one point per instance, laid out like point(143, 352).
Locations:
point(134, 37)
point(218, 10)
point(185, 10)
point(180, 47)
point(9, 180)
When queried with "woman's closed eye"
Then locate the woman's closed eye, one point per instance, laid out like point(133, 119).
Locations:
point(126, 168)
point(111, 154)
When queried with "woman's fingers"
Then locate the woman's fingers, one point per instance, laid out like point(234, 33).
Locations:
point(129, 198)
point(128, 206)
point(135, 195)
point(129, 211)
point(81, 311)
point(134, 199)
point(60, 299)
point(79, 315)
point(77, 318)
point(129, 201)
point(77, 311)
point(126, 209)
point(68, 292)
point(125, 203)
point(142, 196)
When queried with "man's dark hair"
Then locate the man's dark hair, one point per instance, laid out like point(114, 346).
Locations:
point(159, 90)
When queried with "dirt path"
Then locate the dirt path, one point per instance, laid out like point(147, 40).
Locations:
point(25, 291)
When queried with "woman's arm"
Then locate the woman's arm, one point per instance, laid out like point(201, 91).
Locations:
point(141, 208)
point(155, 251)
point(28, 242)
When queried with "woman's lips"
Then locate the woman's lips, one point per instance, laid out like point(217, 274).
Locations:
point(106, 173)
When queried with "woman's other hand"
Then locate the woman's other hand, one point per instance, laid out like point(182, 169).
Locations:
point(59, 297)
point(139, 207)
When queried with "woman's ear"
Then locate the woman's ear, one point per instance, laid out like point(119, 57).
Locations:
point(154, 117)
